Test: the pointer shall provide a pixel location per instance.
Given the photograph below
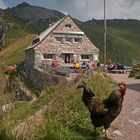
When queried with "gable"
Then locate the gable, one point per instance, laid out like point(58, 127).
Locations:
point(64, 26)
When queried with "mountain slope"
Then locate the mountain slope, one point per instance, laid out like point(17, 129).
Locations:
point(14, 53)
point(122, 38)
point(29, 13)
point(36, 18)
point(11, 29)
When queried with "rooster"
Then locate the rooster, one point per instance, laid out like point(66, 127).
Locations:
point(103, 111)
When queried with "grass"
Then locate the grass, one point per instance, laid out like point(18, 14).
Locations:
point(4, 134)
point(136, 71)
point(13, 34)
point(70, 118)
point(67, 118)
point(14, 53)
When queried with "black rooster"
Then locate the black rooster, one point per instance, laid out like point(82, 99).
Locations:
point(103, 112)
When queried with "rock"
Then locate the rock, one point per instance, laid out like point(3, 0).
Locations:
point(42, 80)
point(136, 109)
point(24, 94)
point(134, 122)
point(7, 107)
point(117, 132)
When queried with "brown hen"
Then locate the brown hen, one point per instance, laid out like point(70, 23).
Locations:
point(103, 111)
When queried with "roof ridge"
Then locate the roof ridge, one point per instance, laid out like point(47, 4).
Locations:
point(52, 27)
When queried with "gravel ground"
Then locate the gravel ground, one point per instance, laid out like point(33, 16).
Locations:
point(127, 124)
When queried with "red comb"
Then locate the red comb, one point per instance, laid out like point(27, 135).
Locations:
point(122, 84)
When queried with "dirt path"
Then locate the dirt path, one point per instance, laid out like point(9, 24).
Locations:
point(127, 125)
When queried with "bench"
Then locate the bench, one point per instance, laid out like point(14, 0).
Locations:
point(119, 71)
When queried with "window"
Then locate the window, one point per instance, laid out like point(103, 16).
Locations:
point(60, 39)
point(68, 39)
point(68, 25)
point(84, 56)
point(47, 56)
point(77, 40)
point(35, 41)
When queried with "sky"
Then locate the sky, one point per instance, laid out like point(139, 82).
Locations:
point(86, 9)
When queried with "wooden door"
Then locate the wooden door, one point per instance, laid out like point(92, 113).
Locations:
point(67, 58)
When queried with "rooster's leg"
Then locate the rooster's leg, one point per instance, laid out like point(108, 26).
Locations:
point(95, 131)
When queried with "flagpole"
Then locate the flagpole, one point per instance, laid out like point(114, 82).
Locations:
point(104, 35)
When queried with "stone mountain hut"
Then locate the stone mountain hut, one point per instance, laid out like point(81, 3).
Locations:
point(63, 41)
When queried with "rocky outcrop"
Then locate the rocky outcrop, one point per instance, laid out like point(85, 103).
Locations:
point(24, 94)
point(42, 80)
point(3, 29)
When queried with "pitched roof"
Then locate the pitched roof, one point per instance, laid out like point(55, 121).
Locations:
point(44, 34)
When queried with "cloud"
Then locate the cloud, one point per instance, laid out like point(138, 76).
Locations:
point(124, 9)
point(81, 9)
point(127, 3)
point(88, 9)
point(2, 4)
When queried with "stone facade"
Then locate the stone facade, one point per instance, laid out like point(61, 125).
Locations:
point(63, 41)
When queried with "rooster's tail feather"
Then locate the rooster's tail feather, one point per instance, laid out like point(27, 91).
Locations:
point(86, 88)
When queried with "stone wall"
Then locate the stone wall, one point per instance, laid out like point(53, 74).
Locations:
point(42, 80)
point(29, 61)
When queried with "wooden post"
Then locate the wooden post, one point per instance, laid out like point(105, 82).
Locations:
point(104, 35)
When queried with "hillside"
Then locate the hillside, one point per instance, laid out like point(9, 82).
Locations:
point(12, 54)
point(58, 114)
point(122, 38)
point(11, 29)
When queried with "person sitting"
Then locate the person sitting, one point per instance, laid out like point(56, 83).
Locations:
point(83, 65)
point(122, 67)
point(77, 65)
point(110, 67)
